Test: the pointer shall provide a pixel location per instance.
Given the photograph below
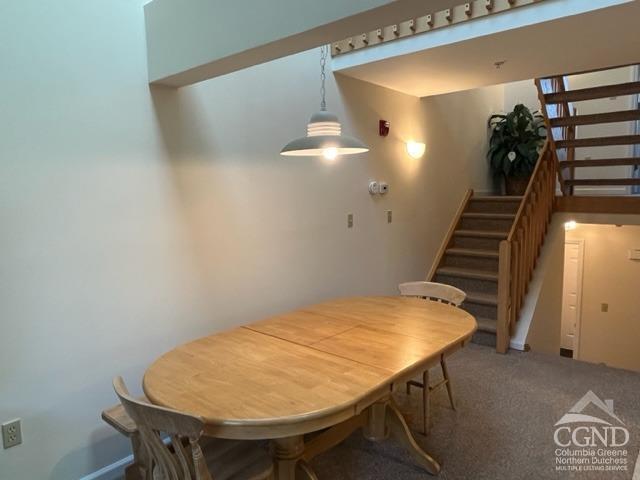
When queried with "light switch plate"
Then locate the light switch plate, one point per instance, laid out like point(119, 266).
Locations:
point(350, 220)
point(604, 307)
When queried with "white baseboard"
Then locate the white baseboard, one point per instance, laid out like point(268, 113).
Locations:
point(110, 472)
point(601, 191)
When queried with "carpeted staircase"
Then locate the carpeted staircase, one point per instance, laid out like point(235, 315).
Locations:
point(470, 261)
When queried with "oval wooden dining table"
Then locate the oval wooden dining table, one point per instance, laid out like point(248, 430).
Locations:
point(327, 368)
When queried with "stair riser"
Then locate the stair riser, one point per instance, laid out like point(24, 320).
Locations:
point(484, 338)
point(479, 263)
point(479, 310)
point(479, 206)
point(477, 243)
point(485, 224)
point(469, 284)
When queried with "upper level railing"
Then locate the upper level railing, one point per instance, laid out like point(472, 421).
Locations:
point(426, 23)
point(519, 252)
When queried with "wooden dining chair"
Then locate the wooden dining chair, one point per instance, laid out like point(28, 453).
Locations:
point(181, 456)
point(438, 292)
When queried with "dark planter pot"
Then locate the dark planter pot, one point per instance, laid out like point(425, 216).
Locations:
point(516, 185)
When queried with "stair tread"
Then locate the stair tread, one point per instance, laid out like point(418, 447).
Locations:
point(599, 141)
point(468, 273)
point(472, 252)
point(600, 162)
point(489, 216)
point(596, 118)
point(481, 233)
point(606, 91)
point(497, 198)
point(482, 298)
point(604, 181)
point(488, 325)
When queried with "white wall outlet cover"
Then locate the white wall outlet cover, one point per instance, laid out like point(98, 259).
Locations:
point(11, 433)
point(383, 188)
point(374, 188)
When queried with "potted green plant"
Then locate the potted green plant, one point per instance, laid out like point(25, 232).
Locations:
point(514, 147)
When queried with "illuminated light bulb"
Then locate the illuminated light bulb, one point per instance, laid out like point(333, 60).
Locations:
point(416, 149)
point(570, 225)
point(330, 153)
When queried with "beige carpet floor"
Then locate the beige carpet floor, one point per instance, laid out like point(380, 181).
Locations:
point(504, 424)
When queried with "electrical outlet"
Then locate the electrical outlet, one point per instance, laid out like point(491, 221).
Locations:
point(11, 433)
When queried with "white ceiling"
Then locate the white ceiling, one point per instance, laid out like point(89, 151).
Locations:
point(601, 38)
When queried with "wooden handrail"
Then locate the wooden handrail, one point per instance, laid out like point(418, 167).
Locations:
point(519, 253)
point(527, 193)
point(447, 239)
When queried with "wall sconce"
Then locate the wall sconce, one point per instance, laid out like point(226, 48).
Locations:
point(416, 149)
point(570, 225)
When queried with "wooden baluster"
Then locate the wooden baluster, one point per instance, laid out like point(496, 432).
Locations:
point(515, 261)
point(504, 264)
point(523, 256)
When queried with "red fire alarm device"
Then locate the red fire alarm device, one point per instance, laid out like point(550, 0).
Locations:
point(384, 128)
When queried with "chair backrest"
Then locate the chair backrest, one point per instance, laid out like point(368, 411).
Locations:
point(434, 291)
point(175, 461)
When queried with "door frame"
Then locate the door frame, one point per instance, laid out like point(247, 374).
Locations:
point(577, 333)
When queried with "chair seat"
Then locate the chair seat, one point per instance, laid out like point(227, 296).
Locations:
point(236, 460)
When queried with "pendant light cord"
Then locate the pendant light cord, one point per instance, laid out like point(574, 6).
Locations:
point(324, 52)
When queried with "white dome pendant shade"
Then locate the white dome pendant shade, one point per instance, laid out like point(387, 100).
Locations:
point(324, 133)
point(324, 138)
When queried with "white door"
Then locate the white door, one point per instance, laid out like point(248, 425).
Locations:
point(571, 295)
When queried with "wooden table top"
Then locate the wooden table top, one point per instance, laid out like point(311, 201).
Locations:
point(307, 369)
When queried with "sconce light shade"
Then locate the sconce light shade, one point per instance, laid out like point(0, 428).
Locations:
point(324, 138)
point(416, 149)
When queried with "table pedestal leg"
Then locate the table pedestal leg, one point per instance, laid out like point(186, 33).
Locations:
point(378, 422)
point(288, 452)
point(385, 418)
point(376, 427)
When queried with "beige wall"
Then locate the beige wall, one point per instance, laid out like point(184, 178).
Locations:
point(458, 136)
point(609, 276)
point(135, 219)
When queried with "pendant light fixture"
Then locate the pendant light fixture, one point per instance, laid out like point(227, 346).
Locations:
point(324, 136)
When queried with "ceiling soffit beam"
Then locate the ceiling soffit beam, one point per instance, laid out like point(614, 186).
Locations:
point(189, 42)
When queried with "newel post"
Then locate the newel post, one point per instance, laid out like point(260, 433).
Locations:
point(504, 300)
